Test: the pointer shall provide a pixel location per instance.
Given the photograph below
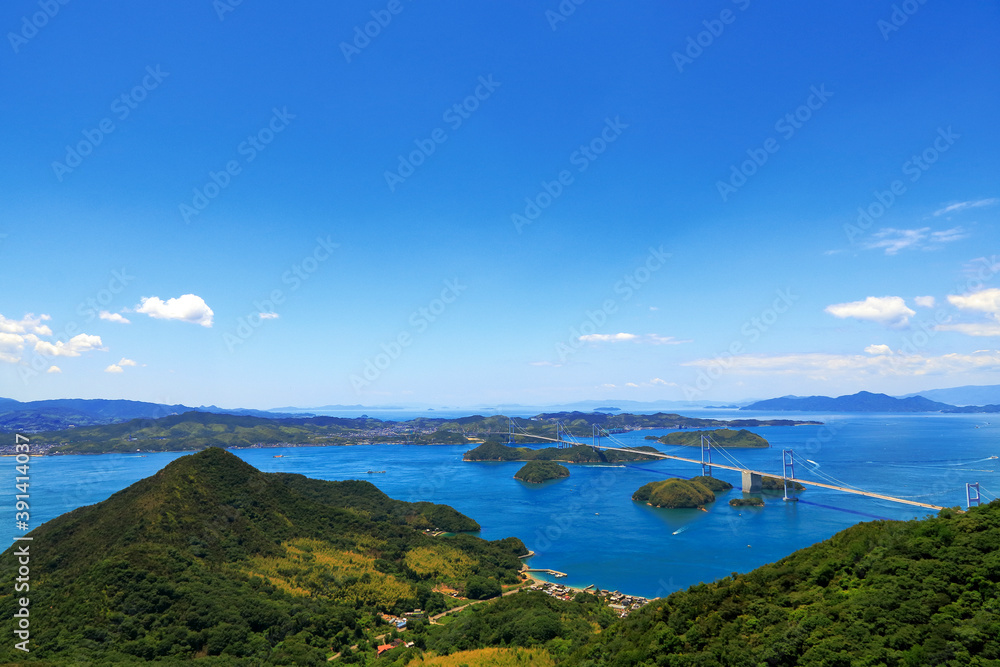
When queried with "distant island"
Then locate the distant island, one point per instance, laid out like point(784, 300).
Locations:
point(196, 430)
point(536, 472)
point(722, 437)
point(494, 451)
point(863, 401)
point(681, 493)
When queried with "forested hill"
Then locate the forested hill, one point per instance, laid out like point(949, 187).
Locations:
point(913, 593)
point(211, 556)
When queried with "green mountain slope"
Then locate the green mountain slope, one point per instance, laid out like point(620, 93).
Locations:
point(913, 593)
point(212, 557)
point(723, 437)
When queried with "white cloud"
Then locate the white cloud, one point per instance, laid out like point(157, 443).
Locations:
point(878, 349)
point(71, 348)
point(187, 308)
point(822, 366)
point(662, 382)
point(127, 362)
point(269, 316)
point(54, 369)
point(893, 240)
point(113, 368)
point(607, 338)
point(961, 206)
point(890, 311)
point(925, 301)
point(653, 339)
point(11, 346)
point(986, 301)
point(631, 384)
point(544, 363)
point(972, 329)
point(113, 317)
point(29, 324)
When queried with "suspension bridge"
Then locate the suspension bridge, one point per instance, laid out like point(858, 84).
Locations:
point(752, 479)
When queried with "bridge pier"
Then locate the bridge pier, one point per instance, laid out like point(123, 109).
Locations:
point(751, 482)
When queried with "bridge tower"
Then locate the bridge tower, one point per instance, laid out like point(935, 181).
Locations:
point(787, 469)
point(706, 448)
point(971, 495)
point(510, 431)
point(596, 435)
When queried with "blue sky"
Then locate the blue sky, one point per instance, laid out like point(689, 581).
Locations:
point(497, 202)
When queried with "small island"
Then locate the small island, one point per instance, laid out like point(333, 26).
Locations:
point(778, 484)
point(752, 501)
point(722, 437)
point(536, 472)
point(691, 493)
point(495, 451)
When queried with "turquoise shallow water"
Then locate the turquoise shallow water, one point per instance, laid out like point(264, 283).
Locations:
point(587, 525)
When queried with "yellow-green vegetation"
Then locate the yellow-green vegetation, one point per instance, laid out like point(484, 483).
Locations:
point(674, 494)
point(713, 484)
point(487, 657)
point(441, 563)
point(723, 437)
point(537, 472)
point(313, 568)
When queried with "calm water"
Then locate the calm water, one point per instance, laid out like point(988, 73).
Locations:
point(587, 525)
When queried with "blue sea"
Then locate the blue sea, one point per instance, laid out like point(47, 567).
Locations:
point(587, 525)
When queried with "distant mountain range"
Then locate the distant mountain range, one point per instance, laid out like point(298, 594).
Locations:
point(863, 401)
point(61, 413)
point(968, 395)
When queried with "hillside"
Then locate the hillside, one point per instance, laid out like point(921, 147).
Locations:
point(863, 401)
point(209, 556)
point(722, 437)
point(881, 593)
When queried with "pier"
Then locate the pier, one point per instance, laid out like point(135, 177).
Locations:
point(554, 573)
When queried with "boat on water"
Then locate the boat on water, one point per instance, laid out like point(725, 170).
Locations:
point(279, 456)
point(376, 472)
